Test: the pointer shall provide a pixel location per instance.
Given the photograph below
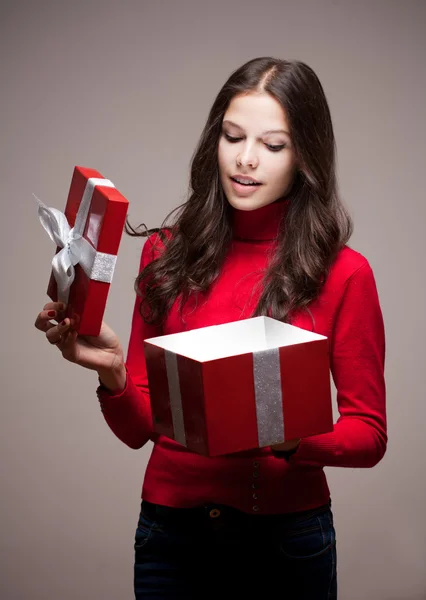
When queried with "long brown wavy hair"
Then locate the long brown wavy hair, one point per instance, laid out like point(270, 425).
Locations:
point(316, 226)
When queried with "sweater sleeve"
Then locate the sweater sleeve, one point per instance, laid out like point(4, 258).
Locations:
point(128, 413)
point(357, 361)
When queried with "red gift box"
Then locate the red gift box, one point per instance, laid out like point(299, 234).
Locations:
point(88, 237)
point(239, 386)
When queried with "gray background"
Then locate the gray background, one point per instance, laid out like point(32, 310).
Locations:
point(125, 88)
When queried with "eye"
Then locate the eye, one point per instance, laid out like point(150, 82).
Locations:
point(271, 147)
point(231, 139)
point(276, 148)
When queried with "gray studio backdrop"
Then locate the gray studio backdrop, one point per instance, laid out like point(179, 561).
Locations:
point(125, 88)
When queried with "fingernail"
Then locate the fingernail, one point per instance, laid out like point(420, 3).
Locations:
point(51, 313)
point(63, 323)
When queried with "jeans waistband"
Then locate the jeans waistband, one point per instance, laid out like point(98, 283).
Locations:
point(172, 514)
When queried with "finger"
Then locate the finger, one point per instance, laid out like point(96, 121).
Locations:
point(42, 321)
point(67, 344)
point(46, 315)
point(70, 337)
point(55, 333)
point(60, 306)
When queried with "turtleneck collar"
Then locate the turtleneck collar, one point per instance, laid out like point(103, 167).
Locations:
point(258, 225)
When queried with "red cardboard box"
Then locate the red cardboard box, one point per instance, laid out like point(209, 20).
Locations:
point(88, 237)
point(239, 386)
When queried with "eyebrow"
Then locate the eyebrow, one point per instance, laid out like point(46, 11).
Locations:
point(264, 133)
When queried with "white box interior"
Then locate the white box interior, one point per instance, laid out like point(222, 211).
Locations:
point(230, 339)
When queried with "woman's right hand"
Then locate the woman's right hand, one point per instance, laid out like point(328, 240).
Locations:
point(102, 353)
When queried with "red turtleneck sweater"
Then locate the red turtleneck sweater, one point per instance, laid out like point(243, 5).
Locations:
point(347, 312)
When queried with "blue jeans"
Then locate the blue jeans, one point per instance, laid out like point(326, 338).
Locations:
point(219, 552)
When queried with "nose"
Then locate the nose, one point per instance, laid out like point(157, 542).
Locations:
point(247, 158)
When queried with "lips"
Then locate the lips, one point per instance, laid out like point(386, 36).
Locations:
point(245, 180)
point(246, 189)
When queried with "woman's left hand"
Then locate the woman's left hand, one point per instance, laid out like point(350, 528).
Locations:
point(286, 446)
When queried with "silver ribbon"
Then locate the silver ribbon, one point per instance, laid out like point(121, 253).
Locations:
point(268, 393)
point(75, 249)
point(175, 397)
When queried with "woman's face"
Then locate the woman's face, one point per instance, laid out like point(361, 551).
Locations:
point(255, 143)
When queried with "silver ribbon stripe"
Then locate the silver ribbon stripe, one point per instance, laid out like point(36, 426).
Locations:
point(268, 392)
point(175, 397)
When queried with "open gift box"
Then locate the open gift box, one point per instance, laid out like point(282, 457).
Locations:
point(239, 386)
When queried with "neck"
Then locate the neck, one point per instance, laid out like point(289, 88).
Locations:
point(261, 224)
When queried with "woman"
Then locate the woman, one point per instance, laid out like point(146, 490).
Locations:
point(263, 232)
